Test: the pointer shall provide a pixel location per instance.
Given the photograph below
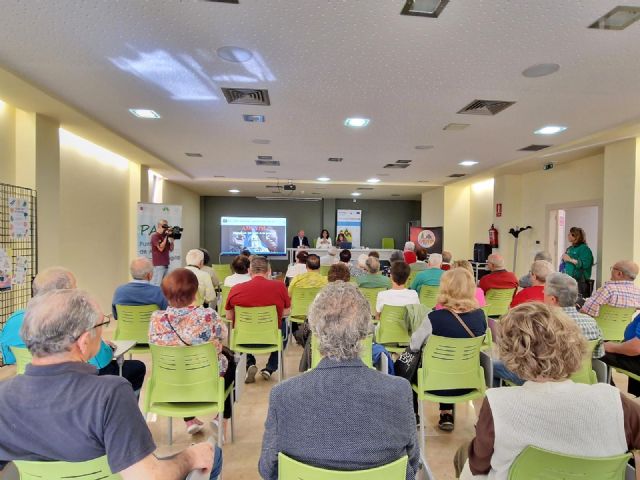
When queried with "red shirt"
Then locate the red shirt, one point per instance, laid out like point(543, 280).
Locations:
point(410, 257)
point(259, 292)
point(445, 267)
point(498, 279)
point(159, 258)
point(529, 294)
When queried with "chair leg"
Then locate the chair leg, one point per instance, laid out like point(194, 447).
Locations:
point(423, 435)
point(280, 366)
point(220, 429)
point(170, 431)
point(231, 421)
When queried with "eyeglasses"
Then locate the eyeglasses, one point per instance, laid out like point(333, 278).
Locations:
point(106, 322)
point(164, 226)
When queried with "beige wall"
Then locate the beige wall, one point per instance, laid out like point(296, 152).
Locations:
point(174, 194)
point(7, 143)
point(456, 220)
point(481, 208)
point(432, 208)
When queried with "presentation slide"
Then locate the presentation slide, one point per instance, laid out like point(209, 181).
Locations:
point(259, 235)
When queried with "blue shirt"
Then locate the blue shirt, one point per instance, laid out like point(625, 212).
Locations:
point(430, 277)
point(633, 329)
point(138, 292)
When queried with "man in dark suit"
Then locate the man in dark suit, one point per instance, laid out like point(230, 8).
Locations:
point(300, 240)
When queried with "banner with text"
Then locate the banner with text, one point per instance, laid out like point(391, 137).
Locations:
point(148, 216)
point(349, 223)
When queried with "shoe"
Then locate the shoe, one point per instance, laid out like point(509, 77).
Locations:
point(446, 422)
point(194, 426)
point(417, 420)
point(251, 374)
point(266, 374)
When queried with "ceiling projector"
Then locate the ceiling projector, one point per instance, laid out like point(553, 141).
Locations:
point(289, 187)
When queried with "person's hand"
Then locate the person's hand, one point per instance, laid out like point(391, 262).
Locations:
point(609, 347)
point(201, 455)
point(566, 258)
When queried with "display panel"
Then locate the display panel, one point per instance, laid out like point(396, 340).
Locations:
point(259, 235)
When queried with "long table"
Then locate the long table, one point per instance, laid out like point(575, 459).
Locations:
point(385, 253)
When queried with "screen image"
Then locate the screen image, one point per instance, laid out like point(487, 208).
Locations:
point(259, 235)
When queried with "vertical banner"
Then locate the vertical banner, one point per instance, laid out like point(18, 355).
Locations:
point(349, 223)
point(148, 216)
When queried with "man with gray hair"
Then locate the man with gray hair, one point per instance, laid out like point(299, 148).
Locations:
point(206, 293)
point(620, 291)
point(330, 258)
point(431, 275)
point(525, 280)
point(351, 417)
point(61, 397)
point(499, 278)
point(540, 270)
point(139, 291)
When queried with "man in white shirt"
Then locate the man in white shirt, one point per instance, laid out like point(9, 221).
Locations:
point(398, 295)
point(206, 292)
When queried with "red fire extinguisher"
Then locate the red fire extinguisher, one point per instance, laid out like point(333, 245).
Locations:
point(493, 237)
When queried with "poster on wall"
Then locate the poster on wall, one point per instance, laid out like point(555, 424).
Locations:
point(19, 221)
point(148, 216)
point(6, 273)
point(429, 238)
point(20, 270)
point(349, 223)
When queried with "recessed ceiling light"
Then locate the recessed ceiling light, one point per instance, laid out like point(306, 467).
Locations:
point(261, 141)
point(234, 54)
point(468, 163)
point(323, 179)
point(356, 122)
point(234, 190)
point(424, 8)
point(550, 130)
point(617, 19)
point(356, 194)
point(253, 118)
point(423, 147)
point(541, 70)
point(373, 180)
point(143, 113)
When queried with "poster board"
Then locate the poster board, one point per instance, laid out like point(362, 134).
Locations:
point(148, 216)
point(349, 223)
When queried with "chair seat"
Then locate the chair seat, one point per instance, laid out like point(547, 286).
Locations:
point(449, 399)
point(185, 409)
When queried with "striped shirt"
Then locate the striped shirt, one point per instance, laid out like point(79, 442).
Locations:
point(621, 293)
point(589, 328)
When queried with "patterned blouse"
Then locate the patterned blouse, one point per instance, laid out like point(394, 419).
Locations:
point(194, 325)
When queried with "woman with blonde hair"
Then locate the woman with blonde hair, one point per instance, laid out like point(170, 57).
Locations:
point(542, 345)
point(459, 317)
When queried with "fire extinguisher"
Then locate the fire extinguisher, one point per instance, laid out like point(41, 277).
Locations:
point(493, 237)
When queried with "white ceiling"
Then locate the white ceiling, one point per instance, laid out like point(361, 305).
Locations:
point(323, 61)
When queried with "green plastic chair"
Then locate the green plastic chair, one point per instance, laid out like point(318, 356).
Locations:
point(185, 382)
point(366, 352)
point(133, 324)
point(613, 321)
point(586, 373)
point(224, 293)
point(97, 469)
point(487, 344)
point(371, 294)
point(301, 300)
point(222, 271)
point(23, 358)
point(290, 469)
point(324, 270)
point(411, 278)
point(429, 296)
point(534, 463)
point(388, 243)
point(392, 329)
point(448, 364)
point(256, 331)
point(498, 301)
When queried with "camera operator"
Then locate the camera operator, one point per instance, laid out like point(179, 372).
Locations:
point(161, 246)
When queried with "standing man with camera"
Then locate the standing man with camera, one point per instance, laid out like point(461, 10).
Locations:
point(161, 246)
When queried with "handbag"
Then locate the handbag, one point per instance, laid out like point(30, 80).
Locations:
point(406, 366)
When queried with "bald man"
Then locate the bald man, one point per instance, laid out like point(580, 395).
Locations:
point(620, 291)
point(139, 291)
point(499, 278)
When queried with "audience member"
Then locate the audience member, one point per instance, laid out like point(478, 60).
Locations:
point(396, 256)
point(338, 271)
point(206, 293)
point(341, 240)
point(540, 270)
point(373, 278)
point(459, 306)
point(430, 276)
point(499, 278)
point(409, 253)
point(311, 278)
point(139, 291)
point(467, 266)
point(338, 393)
point(577, 261)
point(330, 258)
point(360, 268)
point(620, 291)
point(324, 240)
point(446, 261)
point(525, 280)
point(240, 267)
point(544, 347)
point(206, 267)
point(421, 257)
point(398, 295)
point(373, 253)
point(299, 267)
point(300, 241)
point(260, 291)
point(185, 323)
point(60, 410)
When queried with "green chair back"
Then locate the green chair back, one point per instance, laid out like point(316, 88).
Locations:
point(451, 363)
point(97, 469)
point(371, 294)
point(538, 464)
point(366, 351)
point(256, 330)
point(23, 358)
point(429, 295)
point(586, 373)
point(133, 322)
point(301, 299)
point(487, 344)
point(224, 293)
point(388, 243)
point(411, 278)
point(498, 301)
point(222, 271)
point(392, 329)
point(324, 270)
point(613, 321)
point(290, 469)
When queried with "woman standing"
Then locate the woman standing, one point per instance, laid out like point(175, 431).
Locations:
point(578, 260)
point(324, 240)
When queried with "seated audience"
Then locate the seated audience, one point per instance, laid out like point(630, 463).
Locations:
point(560, 290)
point(525, 280)
point(398, 295)
point(61, 410)
point(430, 276)
point(360, 267)
point(345, 258)
point(206, 293)
point(299, 267)
point(544, 347)
point(311, 278)
point(338, 393)
point(338, 271)
point(185, 323)
point(410, 253)
point(206, 267)
point(373, 278)
point(626, 355)
point(499, 278)
point(58, 278)
point(540, 270)
point(396, 256)
point(446, 261)
point(330, 258)
point(240, 267)
point(620, 291)
point(458, 300)
point(139, 291)
point(421, 257)
point(479, 293)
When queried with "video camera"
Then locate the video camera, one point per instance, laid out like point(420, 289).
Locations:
point(174, 232)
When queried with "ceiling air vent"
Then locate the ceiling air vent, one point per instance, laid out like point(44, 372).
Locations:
point(246, 96)
point(268, 163)
point(533, 148)
point(403, 161)
point(485, 107)
point(423, 181)
point(193, 154)
point(223, 1)
point(364, 188)
point(396, 165)
point(265, 157)
point(335, 159)
point(395, 194)
point(457, 175)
